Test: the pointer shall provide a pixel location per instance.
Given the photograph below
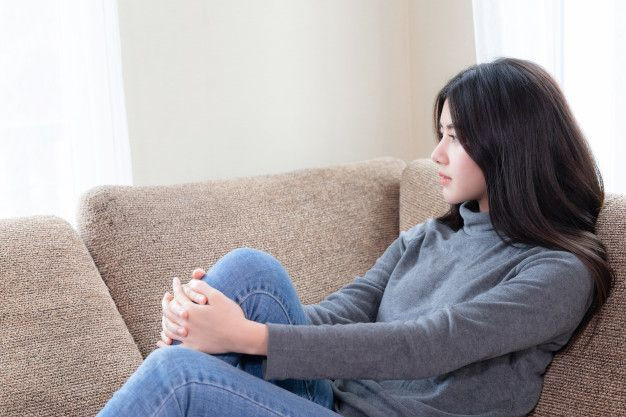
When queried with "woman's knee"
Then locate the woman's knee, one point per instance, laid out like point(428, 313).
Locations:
point(173, 368)
point(168, 357)
point(252, 256)
point(245, 271)
point(176, 364)
point(246, 263)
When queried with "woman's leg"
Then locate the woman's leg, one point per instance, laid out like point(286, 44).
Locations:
point(258, 282)
point(261, 286)
point(178, 381)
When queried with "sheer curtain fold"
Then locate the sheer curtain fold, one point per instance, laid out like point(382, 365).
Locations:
point(581, 44)
point(62, 115)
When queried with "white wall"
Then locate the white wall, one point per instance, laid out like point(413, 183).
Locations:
point(217, 89)
point(442, 39)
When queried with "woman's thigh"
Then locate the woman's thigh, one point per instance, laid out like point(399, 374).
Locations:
point(179, 381)
point(258, 282)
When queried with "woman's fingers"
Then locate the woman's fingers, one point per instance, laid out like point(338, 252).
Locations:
point(172, 330)
point(166, 334)
point(174, 309)
point(174, 313)
point(165, 339)
point(178, 310)
point(181, 301)
point(174, 318)
point(161, 344)
point(198, 273)
point(197, 297)
point(169, 334)
point(179, 294)
point(167, 297)
point(171, 310)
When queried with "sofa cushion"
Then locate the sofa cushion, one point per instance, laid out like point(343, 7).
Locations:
point(586, 377)
point(325, 225)
point(420, 194)
point(65, 348)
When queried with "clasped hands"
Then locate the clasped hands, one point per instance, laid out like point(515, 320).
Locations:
point(203, 318)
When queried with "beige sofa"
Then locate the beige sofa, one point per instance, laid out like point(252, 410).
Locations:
point(81, 309)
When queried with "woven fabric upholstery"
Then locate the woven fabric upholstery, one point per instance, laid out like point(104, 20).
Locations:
point(420, 194)
point(325, 225)
point(588, 376)
point(65, 348)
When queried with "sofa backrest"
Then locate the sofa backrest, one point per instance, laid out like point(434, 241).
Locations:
point(65, 348)
point(325, 225)
point(588, 377)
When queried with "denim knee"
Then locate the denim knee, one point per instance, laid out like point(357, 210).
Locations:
point(255, 262)
point(175, 365)
point(169, 357)
point(252, 256)
point(248, 274)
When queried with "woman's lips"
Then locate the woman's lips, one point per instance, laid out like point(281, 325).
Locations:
point(443, 180)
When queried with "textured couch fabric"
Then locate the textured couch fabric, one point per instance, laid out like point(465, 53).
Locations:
point(81, 310)
point(588, 377)
point(65, 348)
point(325, 225)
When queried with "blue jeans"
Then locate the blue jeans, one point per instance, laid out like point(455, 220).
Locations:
point(180, 381)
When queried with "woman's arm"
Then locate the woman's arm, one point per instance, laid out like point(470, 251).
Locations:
point(358, 301)
point(355, 302)
point(544, 302)
point(254, 339)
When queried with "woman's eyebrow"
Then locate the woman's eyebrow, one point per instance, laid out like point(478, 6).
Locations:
point(450, 126)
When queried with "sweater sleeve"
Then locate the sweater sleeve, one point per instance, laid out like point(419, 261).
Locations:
point(544, 301)
point(358, 301)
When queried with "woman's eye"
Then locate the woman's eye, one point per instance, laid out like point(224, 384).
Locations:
point(440, 135)
point(450, 136)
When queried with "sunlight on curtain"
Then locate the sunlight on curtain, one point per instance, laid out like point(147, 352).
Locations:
point(581, 44)
point(62, 115)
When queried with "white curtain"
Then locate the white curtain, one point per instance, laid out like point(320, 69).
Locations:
point(582, 44)
point(62, 115)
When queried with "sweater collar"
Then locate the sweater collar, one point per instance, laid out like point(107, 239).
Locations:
point(475, 222)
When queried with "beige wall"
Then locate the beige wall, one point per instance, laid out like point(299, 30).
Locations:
point(217, 89)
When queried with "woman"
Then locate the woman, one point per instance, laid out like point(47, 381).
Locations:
point(461, 314)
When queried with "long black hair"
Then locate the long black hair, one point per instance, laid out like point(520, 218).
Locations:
point(543, 185)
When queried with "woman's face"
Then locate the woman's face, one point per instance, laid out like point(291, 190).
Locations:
point(462, 180)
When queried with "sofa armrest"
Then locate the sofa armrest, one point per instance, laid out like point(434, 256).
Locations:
point(65, 348)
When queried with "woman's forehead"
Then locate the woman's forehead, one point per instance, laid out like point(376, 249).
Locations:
point(445, 118)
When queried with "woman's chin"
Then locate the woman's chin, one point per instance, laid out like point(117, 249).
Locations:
point(451, 199)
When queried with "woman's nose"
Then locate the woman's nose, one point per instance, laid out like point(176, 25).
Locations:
point(438, 155)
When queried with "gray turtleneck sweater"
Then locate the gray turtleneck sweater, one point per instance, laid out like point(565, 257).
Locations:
point(444, 324)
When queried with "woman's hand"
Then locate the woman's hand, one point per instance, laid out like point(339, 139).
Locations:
point(173, 312)
point(217, 327)
point(197, 297)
